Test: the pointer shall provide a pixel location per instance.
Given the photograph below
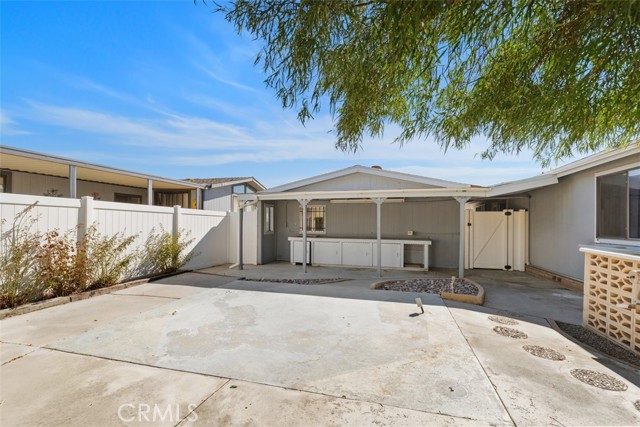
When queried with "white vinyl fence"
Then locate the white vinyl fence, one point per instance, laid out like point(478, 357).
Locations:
point(209, 229)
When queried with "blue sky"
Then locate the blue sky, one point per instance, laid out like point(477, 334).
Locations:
point(169, 88)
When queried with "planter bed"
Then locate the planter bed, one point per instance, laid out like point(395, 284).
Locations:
point(464, 290)
point(52, 302)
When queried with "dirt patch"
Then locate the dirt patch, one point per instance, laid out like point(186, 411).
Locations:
point(431, 286)
point(599, 343)
point(598, 379)
point(503, 320)
point(510, 332)
point(544, 352)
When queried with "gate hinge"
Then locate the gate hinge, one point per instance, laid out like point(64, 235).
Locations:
point(507, 213)
point(507, 267)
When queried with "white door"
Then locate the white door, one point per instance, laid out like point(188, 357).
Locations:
point(356, 254)
point(489, 244)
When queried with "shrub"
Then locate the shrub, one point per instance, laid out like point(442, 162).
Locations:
point(108, 258)
point(18, 260)
point(62, 266)
point(165, 253)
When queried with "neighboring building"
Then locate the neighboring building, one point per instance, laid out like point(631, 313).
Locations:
point(29, 172)
point(221, 194)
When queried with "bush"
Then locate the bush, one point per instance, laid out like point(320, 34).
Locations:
point(62, 266)
point(108, 258)
point(165, 253)
point(18, 249)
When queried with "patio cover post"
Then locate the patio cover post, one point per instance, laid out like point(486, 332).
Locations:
point(461, 201)
point(304, 203)
point(149, 192)
point(240, 237)
point(379, 201)
point(73, 178)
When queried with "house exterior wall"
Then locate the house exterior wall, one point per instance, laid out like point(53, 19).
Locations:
point(37, 185)
point(218, 199)
point(361, 181)
point(563, 217)
point(429, 220)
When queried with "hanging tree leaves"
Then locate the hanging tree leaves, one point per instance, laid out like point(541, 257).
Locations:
point(558, 77)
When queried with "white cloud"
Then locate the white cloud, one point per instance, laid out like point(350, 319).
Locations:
point(8, 127)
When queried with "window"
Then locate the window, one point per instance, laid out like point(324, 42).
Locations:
point(127, 198)
point(171, 198)
point(5, 182)
point(316, 223)
point(242, 189)
point(618, 205)
point(268, 219)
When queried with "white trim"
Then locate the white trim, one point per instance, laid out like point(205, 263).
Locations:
point(618, 169)
point(259, 186)
point(522, 185)
point(596, 160)
point(368, 194)
point(366, 170)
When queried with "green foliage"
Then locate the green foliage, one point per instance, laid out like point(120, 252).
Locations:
point(557, 77)
point(35, 266)
point(165, 253)
point(18, 260)
point(109, 257)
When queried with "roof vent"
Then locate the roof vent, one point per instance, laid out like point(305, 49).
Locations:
point(376, 167)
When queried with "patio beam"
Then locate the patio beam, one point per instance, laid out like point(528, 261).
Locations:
point(379, 201)
point(73, 182)
point(461, 201)
point(304, 203)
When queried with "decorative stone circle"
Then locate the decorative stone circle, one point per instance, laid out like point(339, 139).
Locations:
point(511, 333)
point(503, 320)
point(544, 352)
point(598, 379)
point(637, 404)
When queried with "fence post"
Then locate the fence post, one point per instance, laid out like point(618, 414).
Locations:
point(176, 220)
point(85, 216)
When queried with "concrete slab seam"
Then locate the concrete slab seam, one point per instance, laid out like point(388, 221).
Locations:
point(201, 403)
point(495, 389)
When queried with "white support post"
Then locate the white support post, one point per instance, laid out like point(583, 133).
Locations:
point(149, 192)
point(73, 182)
point(304, 203)
point(176, 220)
point(461, 201)
point(86, 217)
point(379, 201)
point(198, 198)
point(240, 236)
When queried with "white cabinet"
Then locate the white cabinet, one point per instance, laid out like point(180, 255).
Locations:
point(356, 253)
point(296, 251)
point(327, 253)
point(391, 254)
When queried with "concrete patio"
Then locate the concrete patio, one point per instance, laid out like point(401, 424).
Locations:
point(220, 351)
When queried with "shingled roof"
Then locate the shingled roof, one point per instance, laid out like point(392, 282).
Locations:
point(218, 180)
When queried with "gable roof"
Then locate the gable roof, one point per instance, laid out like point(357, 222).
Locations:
point(369, 171)
point(223, 182)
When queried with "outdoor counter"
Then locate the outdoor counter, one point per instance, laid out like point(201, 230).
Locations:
point(355, 252)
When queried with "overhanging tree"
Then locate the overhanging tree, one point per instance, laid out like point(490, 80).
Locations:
point(557, 77)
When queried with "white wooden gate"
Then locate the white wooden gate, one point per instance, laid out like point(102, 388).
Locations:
point(496, 240)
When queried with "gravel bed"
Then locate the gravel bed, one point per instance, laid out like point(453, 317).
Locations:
point(431, 286)
point(503, 320)
point(297, 281)
point(600, 343)
point(511, 333)
point(598, 379)
point(544, 352)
